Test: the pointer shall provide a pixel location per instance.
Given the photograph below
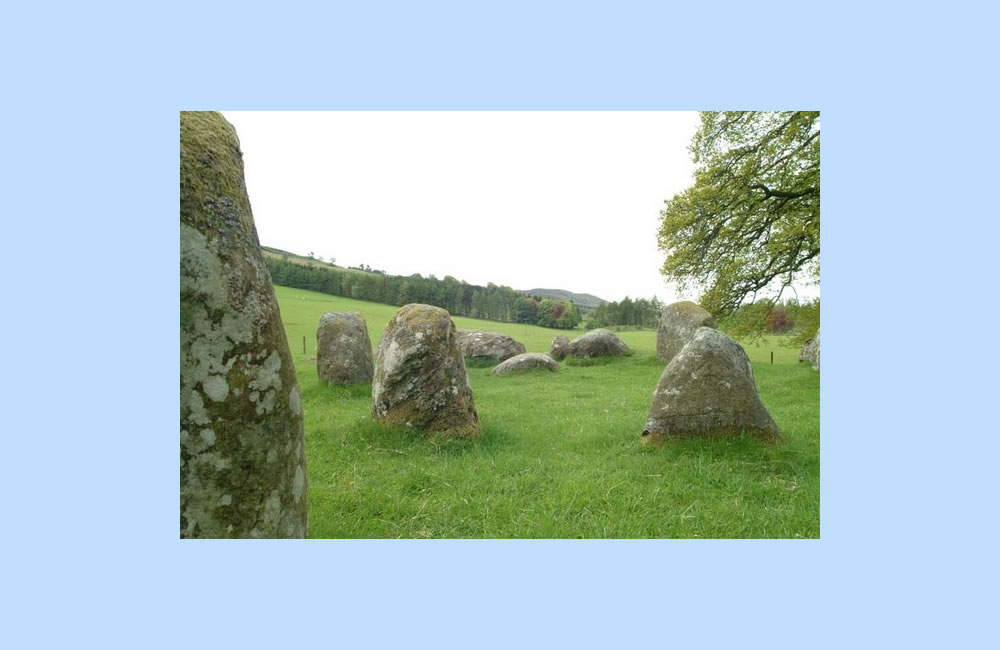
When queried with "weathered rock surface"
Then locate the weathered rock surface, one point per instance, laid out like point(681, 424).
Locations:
point(678, 323)
point(810, 351)
point(420, 379)
point(343, 349)
point(560, 348)
point(243, 468)
point(488, 345)
point(526, 361)
point(598, 343)
point(708, 390)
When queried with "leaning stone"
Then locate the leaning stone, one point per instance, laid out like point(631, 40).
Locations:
point(526, 361)
point(560, 348)
point(420, 379)
point(488, 345)
point(708, 390)
point(598, 343)
point(678, 323)
point(343, 349)
point(810, 351)
point(243, 468)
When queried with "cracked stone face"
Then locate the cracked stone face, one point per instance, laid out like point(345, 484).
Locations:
point(708, 390)
point(243, 471)
point(678, 323)
point(343, 349)
point(420, 379)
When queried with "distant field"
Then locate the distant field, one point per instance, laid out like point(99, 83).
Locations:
point(559, 453)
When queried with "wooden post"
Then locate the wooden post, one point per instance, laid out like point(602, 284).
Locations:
point(304, 349)
point(772, 356)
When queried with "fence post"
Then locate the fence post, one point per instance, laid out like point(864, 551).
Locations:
point(772, 356)
point(304, 349)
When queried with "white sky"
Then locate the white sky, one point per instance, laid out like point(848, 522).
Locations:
point(558, 200)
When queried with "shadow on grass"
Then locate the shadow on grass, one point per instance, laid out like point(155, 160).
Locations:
point(586, 362)
point(321, 391)
point(480, 363)
point(402, 441)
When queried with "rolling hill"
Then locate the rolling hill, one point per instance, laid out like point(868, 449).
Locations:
point(580, 299)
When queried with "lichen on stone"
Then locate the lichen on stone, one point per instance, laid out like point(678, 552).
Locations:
point(238, 392)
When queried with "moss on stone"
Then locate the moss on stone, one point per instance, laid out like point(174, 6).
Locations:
point(241, 442)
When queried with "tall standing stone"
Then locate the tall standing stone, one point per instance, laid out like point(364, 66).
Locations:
point(810, 351)
point(708, 390)
point(343, 349)
point(420, 378)
point(243, 468)
point(678, 323)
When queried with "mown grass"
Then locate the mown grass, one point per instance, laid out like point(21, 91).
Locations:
point(559, 453)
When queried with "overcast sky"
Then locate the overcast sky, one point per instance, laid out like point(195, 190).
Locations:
point(559, 200)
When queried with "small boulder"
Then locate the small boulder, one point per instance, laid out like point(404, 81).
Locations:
point(420, 379)
point(678, 323)
point(560, 348)
point(343, 349)
point(810, 351)
point(598, 343)
point(526, 361)
point(488, 345)
point(708, 390)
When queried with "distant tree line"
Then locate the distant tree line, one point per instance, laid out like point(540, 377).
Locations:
point(790, 316)
point(491, 302)
point(636, 313)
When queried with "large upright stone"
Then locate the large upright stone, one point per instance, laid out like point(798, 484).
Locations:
point(243, 468)
point(678, 323)
point(343, 349)
point(810, 351)
point(708, 390)
point(560, 348)
point(598, 343)
point(420, 379)
point(488, 345)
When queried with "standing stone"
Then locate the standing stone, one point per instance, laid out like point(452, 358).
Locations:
point(243, 469)
point(598, 343)
point(708, 390)
point(343, 349)
point(678, 323)
point(420, 379)
point(526, 361)
point(488, 345)
point(560, 348)
point(810, 351)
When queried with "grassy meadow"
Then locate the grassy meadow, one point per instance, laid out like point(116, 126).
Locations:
point(559, 453)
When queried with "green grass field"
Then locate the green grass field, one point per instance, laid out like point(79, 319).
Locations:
point(559, 453)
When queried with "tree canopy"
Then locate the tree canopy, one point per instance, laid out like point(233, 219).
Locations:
point(749, 226)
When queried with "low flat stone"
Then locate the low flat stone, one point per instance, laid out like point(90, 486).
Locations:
point(477, 344)
point(708, 390)
point(527, 361)
point(598, 343)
